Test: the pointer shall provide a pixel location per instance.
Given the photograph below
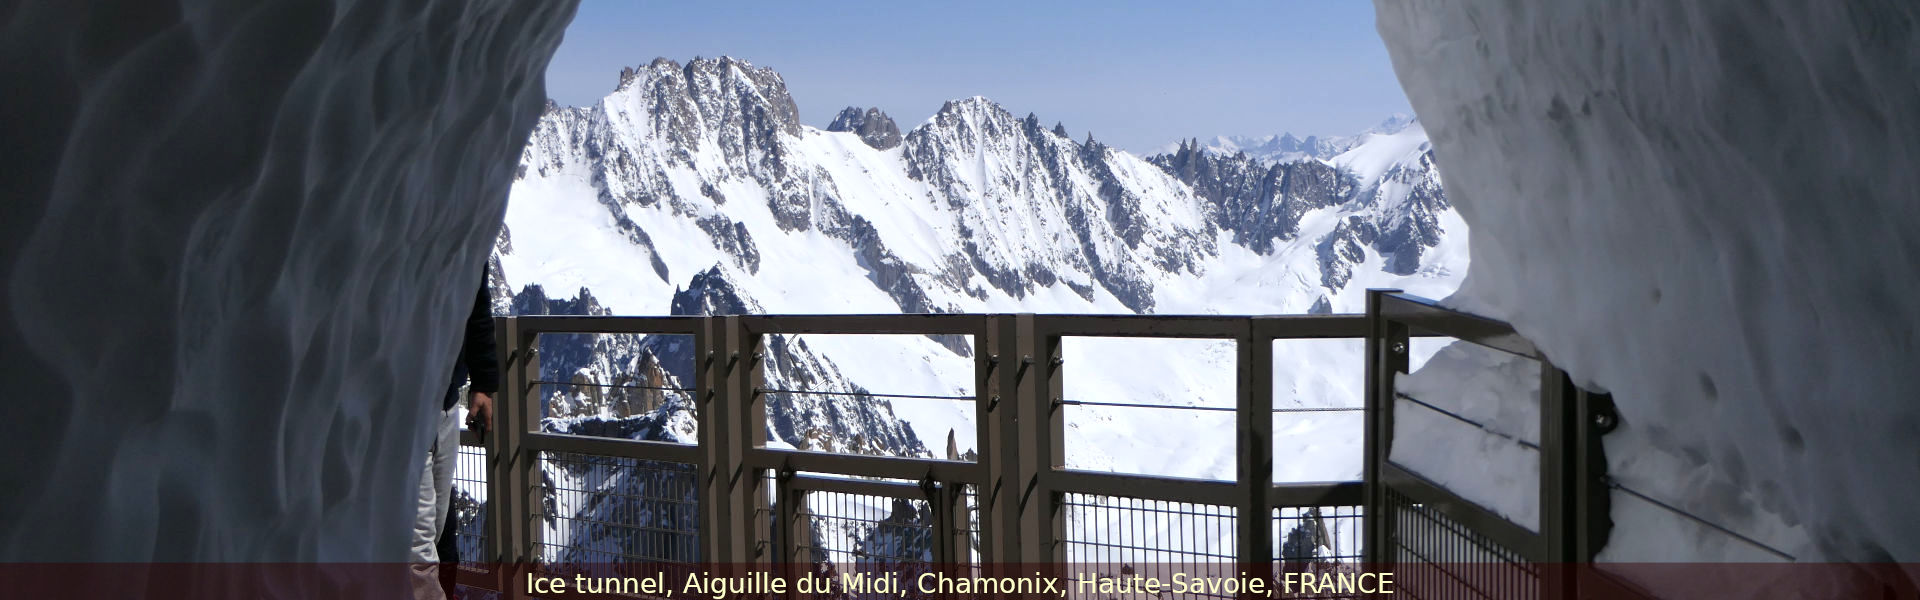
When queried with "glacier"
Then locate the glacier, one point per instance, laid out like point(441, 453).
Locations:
point(236, 246)
point(1707, 209)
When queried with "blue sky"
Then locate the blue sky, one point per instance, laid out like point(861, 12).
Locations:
point(1136, 74)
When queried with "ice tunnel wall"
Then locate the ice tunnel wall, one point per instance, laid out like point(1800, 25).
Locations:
point(1710, 209)
point(237, 241)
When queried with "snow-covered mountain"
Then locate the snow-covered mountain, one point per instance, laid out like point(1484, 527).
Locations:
point(1287, 147)
point(694, 189)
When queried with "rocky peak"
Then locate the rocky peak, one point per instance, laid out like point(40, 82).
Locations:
point(970, 119)
point(874, 127)
point(1259, 202)
point(533, 300)
point(722, 100)
point(711, 294)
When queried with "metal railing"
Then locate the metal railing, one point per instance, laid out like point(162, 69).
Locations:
point(730, 499)
point(1469, 550)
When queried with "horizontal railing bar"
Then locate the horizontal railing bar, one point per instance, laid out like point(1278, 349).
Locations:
point(614, 447)
point(861, 465)
point(1306, 495)
point(611, 385)
point(1133, 405)
point(1422, 314)
point(864, 394)
point(1513, 536)
point(912, 324)
point(1194, 326)
point(575, 324)
point(860, 487)
point(1299, 409)
point(1144, 487)
point(1175, 326)
point(1286, 327)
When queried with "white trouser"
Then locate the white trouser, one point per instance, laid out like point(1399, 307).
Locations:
point(436, 487)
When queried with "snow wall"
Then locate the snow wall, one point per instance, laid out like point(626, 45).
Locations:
point(238, 240)
point(1711, 209)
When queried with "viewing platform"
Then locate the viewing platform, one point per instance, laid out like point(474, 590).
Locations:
point(731, 499)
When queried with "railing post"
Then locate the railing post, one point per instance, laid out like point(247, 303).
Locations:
point(710, 370)
point(750, 487)
point(795, 529)
point(951, 546)
point(741, 426)
point(1253, 416)
point(1573, 499)
point(1041, 443)
point(511, 470)
point(1558, 522)
point(1592, 507)
point(1387, 346)
point(999, 444)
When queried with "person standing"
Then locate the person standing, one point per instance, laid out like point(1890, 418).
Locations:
point(475, 367)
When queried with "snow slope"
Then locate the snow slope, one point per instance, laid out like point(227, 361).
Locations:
point(1708, 209)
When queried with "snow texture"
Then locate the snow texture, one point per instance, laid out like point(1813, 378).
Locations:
point(1707, 208)
point(238, 244)
point(1494, 398)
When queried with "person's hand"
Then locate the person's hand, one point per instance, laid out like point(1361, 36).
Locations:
point(480, 413)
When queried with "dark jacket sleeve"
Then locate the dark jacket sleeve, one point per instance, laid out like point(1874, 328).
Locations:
point(477, 351)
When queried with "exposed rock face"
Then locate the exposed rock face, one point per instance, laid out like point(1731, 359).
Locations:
point(610, 376)
point(1035, 179)
point(834, 422)
point(874, 127)
point(710, 294)
point(1016, 207)
point(1259, 202)
point(238, 247)
point(1656, 194)
point(1262, 203)
point(1340, 250)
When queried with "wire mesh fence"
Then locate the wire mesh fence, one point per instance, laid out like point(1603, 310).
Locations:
point(850, 537)
point(1454, 561)
point(966, 526)
point(604, 510)
point(469, 507)
point(1320, 541)
point(862, 530)
point(1114, 537)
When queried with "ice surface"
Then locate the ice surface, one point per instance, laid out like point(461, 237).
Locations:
point(237, 247)
point(1707, 208)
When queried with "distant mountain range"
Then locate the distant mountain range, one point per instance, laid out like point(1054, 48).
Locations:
point(694, 189)
point(1287, 147)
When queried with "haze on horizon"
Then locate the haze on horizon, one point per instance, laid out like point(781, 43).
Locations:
point(1137, 75)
